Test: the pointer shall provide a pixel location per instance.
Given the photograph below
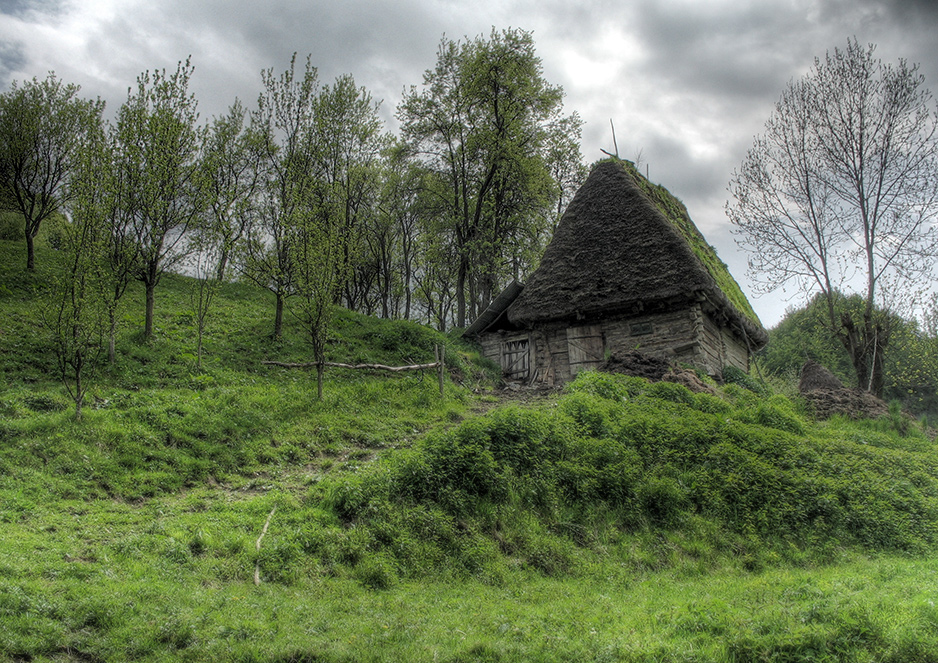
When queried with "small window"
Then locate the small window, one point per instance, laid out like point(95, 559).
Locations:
point(641, 328)
point(516, 359)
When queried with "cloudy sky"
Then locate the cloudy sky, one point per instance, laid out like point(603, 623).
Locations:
point(688, 83)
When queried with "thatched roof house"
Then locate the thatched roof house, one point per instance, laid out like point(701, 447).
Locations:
point(626, 269)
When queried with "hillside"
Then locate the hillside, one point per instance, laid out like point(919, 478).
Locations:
point(225, 514)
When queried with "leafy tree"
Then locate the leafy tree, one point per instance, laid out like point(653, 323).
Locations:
point(40, 126)
point(482, 125)
point(839, 194)
point(392, 240)
point(910, 372)
point(319, 269)
point(158, 150)
point(284, 122)
point(231, 172)
point(77, 313)
point(348, 143)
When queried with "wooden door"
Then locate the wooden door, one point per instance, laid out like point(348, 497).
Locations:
point(516, 359)
point(586, 347)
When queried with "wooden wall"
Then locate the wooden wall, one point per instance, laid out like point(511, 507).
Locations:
point(558, 351)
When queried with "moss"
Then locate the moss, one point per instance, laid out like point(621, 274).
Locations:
point(675, 211)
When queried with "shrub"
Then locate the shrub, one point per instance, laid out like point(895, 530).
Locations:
point(610, 386)
point(671, 391)
point(735, 375)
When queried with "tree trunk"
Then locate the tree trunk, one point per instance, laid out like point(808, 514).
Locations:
point(866, 348)
point(151, 299)
point(30, 252)
point(320, 369)
point(460, 295)
point(278, 317)
point(112, 338)
point(222, 265)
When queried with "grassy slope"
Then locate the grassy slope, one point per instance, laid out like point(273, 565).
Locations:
point(617, 521)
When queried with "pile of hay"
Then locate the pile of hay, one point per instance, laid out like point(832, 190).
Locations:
point(827, 396)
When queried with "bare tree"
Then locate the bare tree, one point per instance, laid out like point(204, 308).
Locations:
point(839, 194)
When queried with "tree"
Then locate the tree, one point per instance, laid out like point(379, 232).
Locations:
point(40, 125)
point(482, 125)
point(348, 144)
point(839, 194)
point(230, 173)
point(77, 312)
point(319, 268)
point(284, 123)
point(158, 151)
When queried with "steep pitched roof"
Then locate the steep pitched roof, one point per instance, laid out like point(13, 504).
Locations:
point(625, 244)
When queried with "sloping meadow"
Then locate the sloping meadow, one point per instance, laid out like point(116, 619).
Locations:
point(617, 466)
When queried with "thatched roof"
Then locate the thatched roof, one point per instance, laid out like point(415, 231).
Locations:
point(627, 245)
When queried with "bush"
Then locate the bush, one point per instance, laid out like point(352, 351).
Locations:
point(735, 375)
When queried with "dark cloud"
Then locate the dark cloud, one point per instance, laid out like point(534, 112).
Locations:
point(24, 7)
point(12, 59)
point(915, 11)
point(687, 83)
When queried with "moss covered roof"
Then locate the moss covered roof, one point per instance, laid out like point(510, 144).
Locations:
point(625, 243)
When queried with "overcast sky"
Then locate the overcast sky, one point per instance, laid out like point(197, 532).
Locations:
point(688, 83)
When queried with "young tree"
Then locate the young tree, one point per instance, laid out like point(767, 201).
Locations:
point(158, 151)
point(284, 123)
point(319, 269)
point(230, 175)
point(481, 125)
point(392, 237)
point(40, 125)
point(348, 144)
point(76, 315)
point(840, 194)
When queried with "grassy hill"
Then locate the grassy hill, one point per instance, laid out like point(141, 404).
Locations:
point(226, 514)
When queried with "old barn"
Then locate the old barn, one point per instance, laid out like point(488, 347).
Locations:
point(626, 270)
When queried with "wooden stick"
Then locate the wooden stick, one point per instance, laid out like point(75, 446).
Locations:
point(380, 367)
point(257, 547)
point(440, 352)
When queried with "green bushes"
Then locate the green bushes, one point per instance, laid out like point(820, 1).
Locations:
point(618, 455)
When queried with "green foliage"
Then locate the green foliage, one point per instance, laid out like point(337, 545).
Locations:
point(41, 123)
point(911, 372)
point(728, 524)
point(498, 155)
point(735, 375)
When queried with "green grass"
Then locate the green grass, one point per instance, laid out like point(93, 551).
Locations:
point(615, 521)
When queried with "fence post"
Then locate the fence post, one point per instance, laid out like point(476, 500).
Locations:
point(440, 351)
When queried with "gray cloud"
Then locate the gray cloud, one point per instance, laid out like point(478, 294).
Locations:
point(687, 83)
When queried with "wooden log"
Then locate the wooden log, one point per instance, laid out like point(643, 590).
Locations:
point(332, 364)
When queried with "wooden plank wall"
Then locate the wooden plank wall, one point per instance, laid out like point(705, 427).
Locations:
point(558, 350)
